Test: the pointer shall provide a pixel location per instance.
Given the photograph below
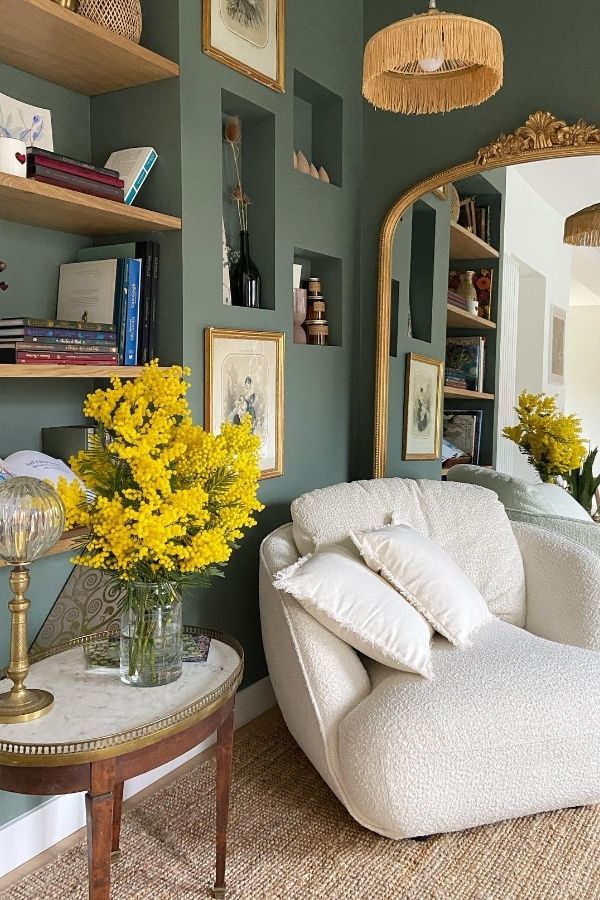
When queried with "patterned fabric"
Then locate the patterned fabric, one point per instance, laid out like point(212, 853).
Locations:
point(468, 522)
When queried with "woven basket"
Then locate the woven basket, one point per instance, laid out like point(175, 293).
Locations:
point(121, 16)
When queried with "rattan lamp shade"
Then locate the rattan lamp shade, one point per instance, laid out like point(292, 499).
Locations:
point(433, 63)
point(582, 229)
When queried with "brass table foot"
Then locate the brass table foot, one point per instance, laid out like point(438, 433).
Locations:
point(218, 892)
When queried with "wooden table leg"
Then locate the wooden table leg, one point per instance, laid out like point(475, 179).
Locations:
point(99, 809)
point(224, 761)
point(116, 819)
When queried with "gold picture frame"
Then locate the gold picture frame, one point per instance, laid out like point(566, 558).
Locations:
point(243, 373)
point(221, 40)
point(423, 403)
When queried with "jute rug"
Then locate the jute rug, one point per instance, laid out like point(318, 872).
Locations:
point(290, 839)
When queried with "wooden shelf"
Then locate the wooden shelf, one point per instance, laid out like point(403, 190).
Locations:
point(38, 370)
point(460, 318)
point(40, 37)
point(31, 203)
point(68, 541)
point(465, 245)
point(460, 393)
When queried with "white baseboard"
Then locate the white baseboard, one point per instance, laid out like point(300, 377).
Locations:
point(54, 820)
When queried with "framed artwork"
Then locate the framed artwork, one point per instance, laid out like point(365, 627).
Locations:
point(423, 396)
point(244, 375)
point(248, 36)
point(31, 124)
point(556, 345)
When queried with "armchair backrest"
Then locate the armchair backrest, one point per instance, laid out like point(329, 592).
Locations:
point(468, 522)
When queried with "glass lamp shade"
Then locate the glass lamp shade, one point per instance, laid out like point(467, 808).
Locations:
point(32, 519)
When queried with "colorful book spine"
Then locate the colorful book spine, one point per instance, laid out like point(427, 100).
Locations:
point(75, 359)
point(28, 321)
point(135, 187)
point(56, 182)
point(57, 347)
point(34, 151)
point(121, 306)
point(154, 300)
point(134, 268)
point(40, 163)
point(57, 335)
point(143, 252)
point(77, 181)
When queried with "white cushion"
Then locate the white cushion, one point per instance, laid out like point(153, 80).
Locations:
point(427, 577)
point(341, 593)
point(508, 727)
point(520, 495)
point(468, 522)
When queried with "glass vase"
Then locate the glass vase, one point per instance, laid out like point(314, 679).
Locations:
point(151, 642)
point(245, 278)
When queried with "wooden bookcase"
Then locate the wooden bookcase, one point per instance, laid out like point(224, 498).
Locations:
point(468, 251)
point(43, 39)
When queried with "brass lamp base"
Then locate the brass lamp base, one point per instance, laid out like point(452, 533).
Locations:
point(25, 706)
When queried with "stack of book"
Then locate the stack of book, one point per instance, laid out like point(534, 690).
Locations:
point(465, 360)
point(476, 218)
point(57, 342)
point(62, 171)
point(135, 301)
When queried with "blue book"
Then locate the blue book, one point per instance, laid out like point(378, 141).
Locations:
point(134, 277)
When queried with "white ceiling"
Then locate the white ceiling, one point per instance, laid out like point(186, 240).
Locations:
point(569, 185)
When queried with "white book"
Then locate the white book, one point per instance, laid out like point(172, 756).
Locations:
point(38, 465)
point(133, 166)
point(86, 291)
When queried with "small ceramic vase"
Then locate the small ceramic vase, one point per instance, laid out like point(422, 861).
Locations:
point(300, 301)
point(466, 288)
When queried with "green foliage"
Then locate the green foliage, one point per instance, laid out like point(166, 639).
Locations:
point(582, 482)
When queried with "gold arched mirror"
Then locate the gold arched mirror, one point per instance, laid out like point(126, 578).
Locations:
point(427, 290)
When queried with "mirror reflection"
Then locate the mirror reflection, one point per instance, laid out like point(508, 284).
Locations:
point(483, 281)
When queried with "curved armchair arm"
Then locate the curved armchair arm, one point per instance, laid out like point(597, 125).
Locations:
point(563, 587)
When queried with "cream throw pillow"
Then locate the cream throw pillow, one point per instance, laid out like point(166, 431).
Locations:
point(347, 598)
point(427, 577)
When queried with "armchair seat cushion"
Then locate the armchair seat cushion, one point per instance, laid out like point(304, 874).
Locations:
point(508, 727)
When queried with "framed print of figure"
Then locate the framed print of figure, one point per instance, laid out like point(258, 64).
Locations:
point(424, 387)
point(244, 376)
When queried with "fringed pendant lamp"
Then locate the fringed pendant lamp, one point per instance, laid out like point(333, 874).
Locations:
point(582, 229)
point(433, 63)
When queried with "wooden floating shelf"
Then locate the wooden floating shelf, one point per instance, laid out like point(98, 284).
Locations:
point(32, 203)
point(465, 245)
point(460, 318)
point(42, 38)
point(39, 370)
point(460, 393)
point(68, 541)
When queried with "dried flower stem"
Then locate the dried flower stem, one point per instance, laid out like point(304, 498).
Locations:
point(233, 137)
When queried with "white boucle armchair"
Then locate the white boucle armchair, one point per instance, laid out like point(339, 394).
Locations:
point(506, 728)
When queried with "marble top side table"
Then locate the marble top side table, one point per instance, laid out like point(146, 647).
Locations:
point(101, 732)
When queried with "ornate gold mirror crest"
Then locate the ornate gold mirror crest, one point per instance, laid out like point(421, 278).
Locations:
point(542, 137)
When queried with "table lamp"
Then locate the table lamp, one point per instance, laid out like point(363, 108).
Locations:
point(32, 519)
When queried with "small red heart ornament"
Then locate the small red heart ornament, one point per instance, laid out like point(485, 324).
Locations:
point(20, 157)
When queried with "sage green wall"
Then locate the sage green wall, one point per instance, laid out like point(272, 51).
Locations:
point(542, 41)
point(33, 256)
point(182, 120)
